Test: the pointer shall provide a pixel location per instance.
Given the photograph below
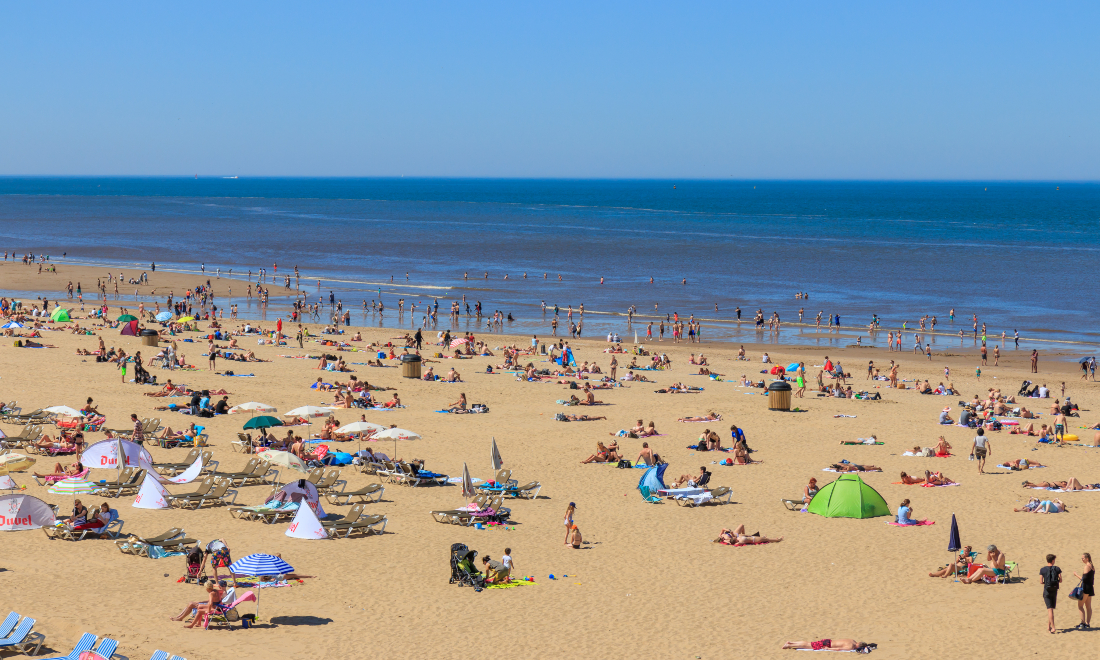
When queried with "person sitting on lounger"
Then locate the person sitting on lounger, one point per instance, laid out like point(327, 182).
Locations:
point(959, 566)
point(709, 417)
point(63, 472)
point(61, 446)
point(692, 481)
point(994, 566)
point(737, 536)
point(600, 456)
point(214, 598)
point(831, 645)
point(809, 491)
point(98, 520)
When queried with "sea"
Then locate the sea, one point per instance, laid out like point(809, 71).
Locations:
point(1021, 256)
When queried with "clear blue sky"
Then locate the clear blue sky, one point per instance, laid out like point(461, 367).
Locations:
point(935, 90)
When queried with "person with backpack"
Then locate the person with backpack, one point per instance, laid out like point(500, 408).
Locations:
point(1052, 579)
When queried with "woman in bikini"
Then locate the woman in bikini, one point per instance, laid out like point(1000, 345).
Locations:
point(58, 471)
point(738, 537)
point(1072, 484)
point(909, 481)
point(599, 457)
point(943, 448)
point(649, 431)
point(709, 417)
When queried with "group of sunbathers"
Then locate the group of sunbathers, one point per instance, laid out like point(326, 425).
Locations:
point(930, 477)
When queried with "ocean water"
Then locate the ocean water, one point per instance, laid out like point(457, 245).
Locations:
point(1018, 255)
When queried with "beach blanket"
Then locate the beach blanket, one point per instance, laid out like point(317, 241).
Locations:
point(839, 416)
point(916, 523)
point(909, 453)
point(510, 584)
point(1059, 490)
point(858, 472)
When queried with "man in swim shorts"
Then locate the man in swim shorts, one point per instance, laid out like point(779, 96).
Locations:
point(832, 645)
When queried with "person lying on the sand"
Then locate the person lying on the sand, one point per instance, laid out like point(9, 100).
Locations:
point(1071, 484)
point(960, 565)
point(906, 479)
point(1022, 464)
point(709, 417)
point(937, 478)
point(832, 645)
point(867, 441)
point(64, 472)
point(582, 418)
point(601, 455)
point(852, 467)
point(1030, 507)
point(737, 536)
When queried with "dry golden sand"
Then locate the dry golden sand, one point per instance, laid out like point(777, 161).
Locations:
point(651, 583)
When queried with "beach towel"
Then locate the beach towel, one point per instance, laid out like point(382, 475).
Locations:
point(510, 584)
point(742, 545)
point(839, 416)
point(916, 523)
point(936, 485)
point(1030, 467)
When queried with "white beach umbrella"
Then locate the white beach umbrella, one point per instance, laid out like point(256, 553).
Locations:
point(64, 410)
point(360, 427)
point(283, 459)
point(253, 407)
point(396, 434)
point(309, 411)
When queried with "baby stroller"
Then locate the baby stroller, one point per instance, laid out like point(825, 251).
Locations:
point(196, 566)
point(463, 571)
point(1023, 388)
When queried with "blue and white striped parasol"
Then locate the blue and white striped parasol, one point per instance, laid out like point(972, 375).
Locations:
point(260, 564)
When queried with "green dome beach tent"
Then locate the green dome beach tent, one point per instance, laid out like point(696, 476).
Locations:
point(848, 497)
point(60, 315)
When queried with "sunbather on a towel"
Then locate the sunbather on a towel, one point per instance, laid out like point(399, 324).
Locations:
point(709, 417)
point(852, 467)
point(601, 455)
point(582, 418)
point(910, 481)
point(831, 645)
point(1023, 464)
point(1072, 484)
point(937, 478)
point(737, 536)
point(1035, 505)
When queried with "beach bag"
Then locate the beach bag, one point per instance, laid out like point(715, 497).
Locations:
point(1078, 592)
point(623, 464)
point(559, 417)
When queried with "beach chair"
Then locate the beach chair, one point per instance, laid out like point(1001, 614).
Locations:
point(22, 639)
point(715, 497)
point(178, 544)
point(243, 475)
point(328, 482)
point(368, 525)
point(125, 545)
point(163, 655)
point(216, 495)
point(113, 528)
point(243, 443)
point(85, 643)
point(353, 515)
point(227, 615)
point(1011, 569)
point(51, 479)
point(203, 488)
point(527, 491)
point(187, 461)
point(794, 505)
point(106, 485)
point(368, 493)
point(106, 647)
point(9, 624)
point(132, 486)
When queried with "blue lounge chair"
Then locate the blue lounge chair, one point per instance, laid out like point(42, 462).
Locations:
point(87, 641)
point(106, 647)
point(9, 624)
point(22, 638)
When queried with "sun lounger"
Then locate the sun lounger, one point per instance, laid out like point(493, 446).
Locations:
point(129, 485)
point(353, 515)
point(794, 505)
point(328, 482)
point(85, 643)
point(163, 655)
point(22, 639)
point(709, 497)
point(106, 647)
point(368, 493)
point(9, 624)
point(172, 533)
point(216, 495)
point(51, 479)
point(368, 525)
point(187, 461)
point(179, 544)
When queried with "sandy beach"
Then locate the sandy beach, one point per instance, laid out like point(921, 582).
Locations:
point(649, 580)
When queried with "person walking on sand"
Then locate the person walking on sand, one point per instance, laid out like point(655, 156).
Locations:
point(1087, 591)
point(980, 449)
point(1052, 579)
point(569, 526)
